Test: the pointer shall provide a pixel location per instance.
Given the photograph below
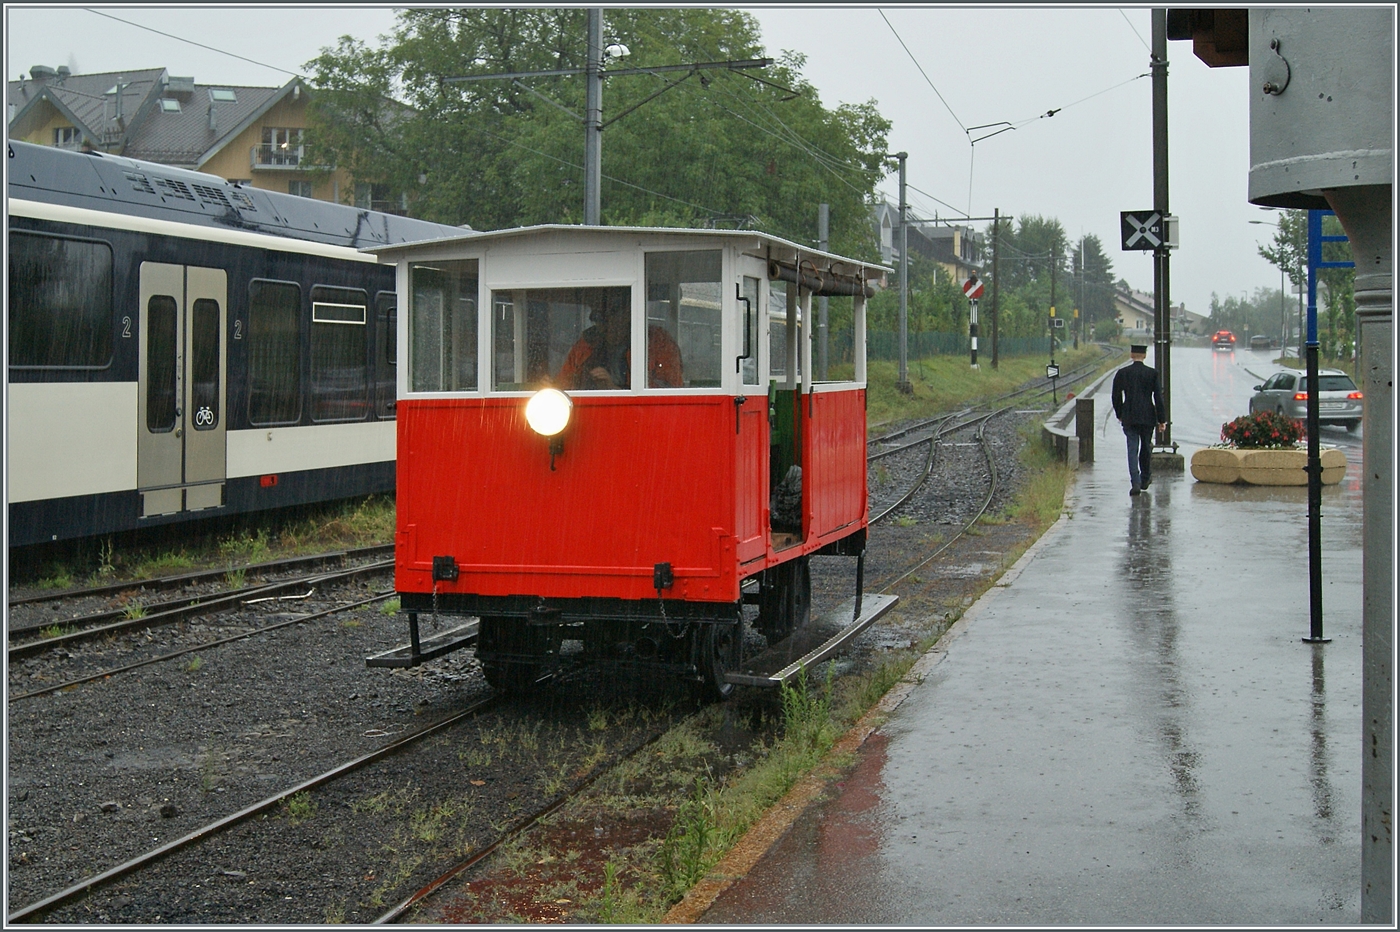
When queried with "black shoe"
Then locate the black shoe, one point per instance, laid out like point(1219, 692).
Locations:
point(1145, 483)
point(1135, 490)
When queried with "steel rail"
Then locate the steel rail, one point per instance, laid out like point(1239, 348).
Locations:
point(170, 582)
point(83, 887)
point(986, 503)
point(194, 607)
point(103, 674)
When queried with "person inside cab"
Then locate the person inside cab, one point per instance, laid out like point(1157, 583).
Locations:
point(602, 357)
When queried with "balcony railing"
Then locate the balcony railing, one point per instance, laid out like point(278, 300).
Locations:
point(280, 158)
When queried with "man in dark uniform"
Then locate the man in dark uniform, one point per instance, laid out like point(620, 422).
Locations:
point(1137, 401)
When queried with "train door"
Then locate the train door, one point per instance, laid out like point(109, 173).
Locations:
point(750, 414)
point(181, 446)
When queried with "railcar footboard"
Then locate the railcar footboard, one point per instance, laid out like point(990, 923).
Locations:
point(418, 650)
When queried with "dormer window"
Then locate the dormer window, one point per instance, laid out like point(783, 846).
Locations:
point(169, 105)
point(221, 94)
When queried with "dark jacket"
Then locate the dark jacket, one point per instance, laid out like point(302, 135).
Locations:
point(1137, 396)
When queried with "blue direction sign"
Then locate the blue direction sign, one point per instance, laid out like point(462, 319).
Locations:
point(1142, 229)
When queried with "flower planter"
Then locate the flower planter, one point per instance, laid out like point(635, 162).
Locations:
point(1264, 467)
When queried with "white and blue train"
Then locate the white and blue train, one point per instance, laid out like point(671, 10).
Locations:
point(181, 347)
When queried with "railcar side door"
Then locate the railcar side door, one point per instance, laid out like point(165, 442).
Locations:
point(181, 443)
point(751, 415)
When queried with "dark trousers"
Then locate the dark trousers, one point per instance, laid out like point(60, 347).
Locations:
point(1139, 452)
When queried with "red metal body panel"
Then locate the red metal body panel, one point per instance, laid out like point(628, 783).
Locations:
point(679, 479)
point(833, 441)
point(641, 481)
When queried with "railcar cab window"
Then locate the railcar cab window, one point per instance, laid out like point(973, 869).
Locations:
point(577, 339)
point(778, 334)
point(442, 326)
point(339, 354)
point(684, 308)
point(750, 315)
point(274, 366)
point(840, 338)
point(60, 302)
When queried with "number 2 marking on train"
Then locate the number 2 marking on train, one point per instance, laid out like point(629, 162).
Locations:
point(126, 328)
point(238, 328)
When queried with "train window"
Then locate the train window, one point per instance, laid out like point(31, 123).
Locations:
point(750, 313)
point(839, 337)
point(204, 368)
point(60, 302)
point(575, 338)
point(778, 333)
point(339, 354)
point(386, 337)
point(442, 326)
point(683, 316)
point(274, 341)
point(162, 329)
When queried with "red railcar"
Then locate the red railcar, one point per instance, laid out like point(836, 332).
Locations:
point(696, 455)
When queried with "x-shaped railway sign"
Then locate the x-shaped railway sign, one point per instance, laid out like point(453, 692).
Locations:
point(1142, 229)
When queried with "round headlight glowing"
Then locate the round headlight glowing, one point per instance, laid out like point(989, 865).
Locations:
point(548, 411)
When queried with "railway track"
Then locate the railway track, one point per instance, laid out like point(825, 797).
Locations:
point(180, 580)
point(88, 885)
point(407, 897)
point(119, 620)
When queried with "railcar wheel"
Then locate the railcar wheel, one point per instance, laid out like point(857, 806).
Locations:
point(785, 599)
point(719, 654)
point(513, 638)
point(1352, 425)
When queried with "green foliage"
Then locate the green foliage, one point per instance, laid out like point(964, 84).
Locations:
point(684, 855)
point(720, 147)
point(1336, 287)
point(300, 807)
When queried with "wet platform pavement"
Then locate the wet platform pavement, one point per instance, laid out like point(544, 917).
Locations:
point(1131, 732)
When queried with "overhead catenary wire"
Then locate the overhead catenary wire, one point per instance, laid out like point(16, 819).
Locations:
point(251, 61)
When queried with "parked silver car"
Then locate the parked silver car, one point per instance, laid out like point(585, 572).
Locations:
point(1286, 393)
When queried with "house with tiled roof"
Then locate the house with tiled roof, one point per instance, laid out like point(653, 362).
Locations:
point(255, 136)
point(958, 249)
point(1137, 311)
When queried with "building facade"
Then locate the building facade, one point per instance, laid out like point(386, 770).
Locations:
point(256, 136)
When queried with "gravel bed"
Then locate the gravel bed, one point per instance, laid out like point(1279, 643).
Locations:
point(104, 771)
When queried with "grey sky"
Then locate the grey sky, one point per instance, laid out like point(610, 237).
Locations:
point(1083, 165)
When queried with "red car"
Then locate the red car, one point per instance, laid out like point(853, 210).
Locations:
point(1223, 340)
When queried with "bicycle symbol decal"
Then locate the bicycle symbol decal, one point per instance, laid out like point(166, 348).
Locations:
point(204, 417)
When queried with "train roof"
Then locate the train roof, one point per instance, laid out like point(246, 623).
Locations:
point(777, 248)
point(116, 184)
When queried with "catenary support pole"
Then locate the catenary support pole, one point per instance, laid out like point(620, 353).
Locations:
point(996, 254)
point(903, 383)
point(1162, 339)
point(823, 323)
point(593, 123)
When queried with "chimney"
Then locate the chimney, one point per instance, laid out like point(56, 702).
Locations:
point(213, 118)
point(42, 73)
point(63, 72)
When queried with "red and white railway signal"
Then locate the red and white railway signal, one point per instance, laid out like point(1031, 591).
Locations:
point(973, 288)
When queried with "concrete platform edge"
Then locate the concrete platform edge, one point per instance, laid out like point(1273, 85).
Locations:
point(768, 830)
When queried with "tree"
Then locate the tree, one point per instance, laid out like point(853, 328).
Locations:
point(1093, 283)
point(1337, 312)
point(718, 148)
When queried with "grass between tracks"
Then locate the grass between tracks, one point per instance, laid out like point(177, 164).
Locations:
point(944, 383)
point(255, 539)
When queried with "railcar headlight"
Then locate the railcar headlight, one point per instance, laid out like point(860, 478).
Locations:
point(548, 411)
